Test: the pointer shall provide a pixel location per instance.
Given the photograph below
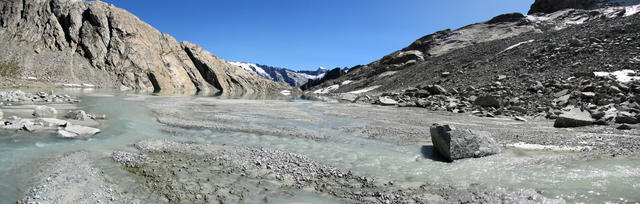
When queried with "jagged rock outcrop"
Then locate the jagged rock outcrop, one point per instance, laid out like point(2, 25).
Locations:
point(231, 79)
point(550, 6)
point(74, 41)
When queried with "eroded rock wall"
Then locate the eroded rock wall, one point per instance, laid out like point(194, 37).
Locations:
point(74, 41)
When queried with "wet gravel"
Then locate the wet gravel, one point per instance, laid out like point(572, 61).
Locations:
point(183, 172)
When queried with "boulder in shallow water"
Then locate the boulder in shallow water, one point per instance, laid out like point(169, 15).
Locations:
point(44, 111)
point(453, 143)
point(66, 134)
point(77, 115)
point(574, 118)
point(51, 122)
point(81, 130)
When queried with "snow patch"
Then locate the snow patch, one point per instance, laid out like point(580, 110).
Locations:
point(308, 76)
point(518, 44)
point(631, 10)
point(285, 92)
point(347, 82)
point(327, 89)
point(371, 88)
point(250, 67)
point(624, 76)
point(533, 18)
point(387, 73)
point(577, 20)
point(32, 78)
point(522, 145)
point(72, 85)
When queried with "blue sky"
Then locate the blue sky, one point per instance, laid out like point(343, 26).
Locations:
point(306, 34)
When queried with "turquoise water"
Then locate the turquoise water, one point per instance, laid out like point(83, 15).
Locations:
point(555, 175)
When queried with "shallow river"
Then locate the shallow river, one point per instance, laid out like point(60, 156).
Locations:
point(346, 144)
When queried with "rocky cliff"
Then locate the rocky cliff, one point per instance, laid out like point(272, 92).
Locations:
point(73, 41)
point(550, 6)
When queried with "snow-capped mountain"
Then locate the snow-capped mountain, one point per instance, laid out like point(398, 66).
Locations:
point(278, 74)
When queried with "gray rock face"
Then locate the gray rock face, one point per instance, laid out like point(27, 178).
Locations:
point(573, 118)
point(230, 79)
point(1, 114)
point(93, 42)
point(44, 111)
point(456, 144)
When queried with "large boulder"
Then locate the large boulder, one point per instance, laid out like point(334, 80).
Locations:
point(51, 122)
point(574, 118)
point(81, 130)
point(385, 100)
point(487, 101)
point(626, 117)
point(44, 111)
point(453, 143)
point(401, 57)
point(348, 97)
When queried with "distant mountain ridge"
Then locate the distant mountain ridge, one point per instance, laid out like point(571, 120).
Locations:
point(279, 74)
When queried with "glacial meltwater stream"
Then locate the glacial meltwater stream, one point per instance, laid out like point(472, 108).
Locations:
point(354, 138)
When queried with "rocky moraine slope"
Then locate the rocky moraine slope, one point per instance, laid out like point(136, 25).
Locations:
point(538, 65)
point(92, 42)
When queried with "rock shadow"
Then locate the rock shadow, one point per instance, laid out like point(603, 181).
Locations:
point(429, 152)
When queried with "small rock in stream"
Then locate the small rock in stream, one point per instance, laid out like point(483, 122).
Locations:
point(44, 111)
